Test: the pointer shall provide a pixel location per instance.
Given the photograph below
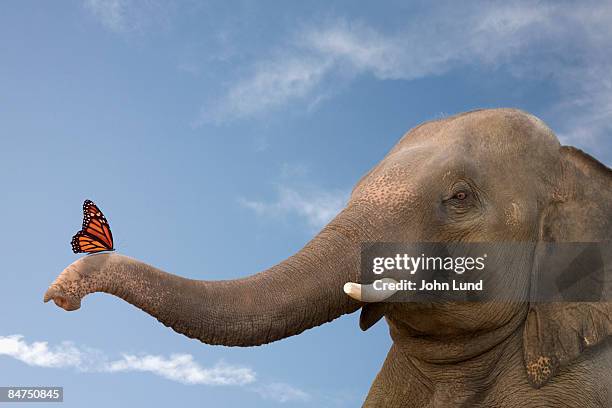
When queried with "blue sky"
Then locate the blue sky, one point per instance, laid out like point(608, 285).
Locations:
point(218, 138)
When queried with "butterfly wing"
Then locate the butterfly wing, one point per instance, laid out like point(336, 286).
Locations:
point(96, 225)
point(84, 243)
point(95, 235)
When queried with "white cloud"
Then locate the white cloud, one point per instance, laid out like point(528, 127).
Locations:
point(123, 16)
point(317, 206)
point(271, 85)
point(344, 49)
point(39, 354)
point(111, 13)
point(182, 368)
point(281, 392)
point(177, 367)
point(568, 42)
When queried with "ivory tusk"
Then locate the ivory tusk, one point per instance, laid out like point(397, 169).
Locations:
point(367, 293)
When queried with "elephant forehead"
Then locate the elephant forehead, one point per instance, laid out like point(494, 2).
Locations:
point(499, 130)
point(503, 144)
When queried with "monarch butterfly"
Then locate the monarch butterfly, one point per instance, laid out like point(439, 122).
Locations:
point(95, 235)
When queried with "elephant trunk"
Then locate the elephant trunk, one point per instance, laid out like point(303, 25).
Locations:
point(301, 292)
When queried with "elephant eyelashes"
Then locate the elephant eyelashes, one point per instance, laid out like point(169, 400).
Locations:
point(95, 235)
point(460, 202)
point(460, 197)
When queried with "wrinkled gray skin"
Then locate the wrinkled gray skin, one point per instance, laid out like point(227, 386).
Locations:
point(522, 185)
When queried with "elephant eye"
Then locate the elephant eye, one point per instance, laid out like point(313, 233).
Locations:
point(461, 195)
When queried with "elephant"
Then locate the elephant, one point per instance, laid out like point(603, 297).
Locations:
point(489, 175)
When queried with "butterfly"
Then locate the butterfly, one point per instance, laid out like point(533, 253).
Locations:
point(95, 235)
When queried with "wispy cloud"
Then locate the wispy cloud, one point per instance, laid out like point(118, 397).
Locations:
point(316, 206)
point(39, 354)
point(567, 42)
point(271, 85)
point(124, 16)
point(281, 392)
point(303, 69)
point(176, 367)
point(182, 368)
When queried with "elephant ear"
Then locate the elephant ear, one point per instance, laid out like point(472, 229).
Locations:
point(580, 211)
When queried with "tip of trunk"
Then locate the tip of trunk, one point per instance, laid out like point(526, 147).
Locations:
point(61, 299)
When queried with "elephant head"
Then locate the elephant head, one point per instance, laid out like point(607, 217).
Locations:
point(495, 175)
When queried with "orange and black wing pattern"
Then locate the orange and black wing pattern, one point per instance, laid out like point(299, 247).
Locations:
point(95, 236)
